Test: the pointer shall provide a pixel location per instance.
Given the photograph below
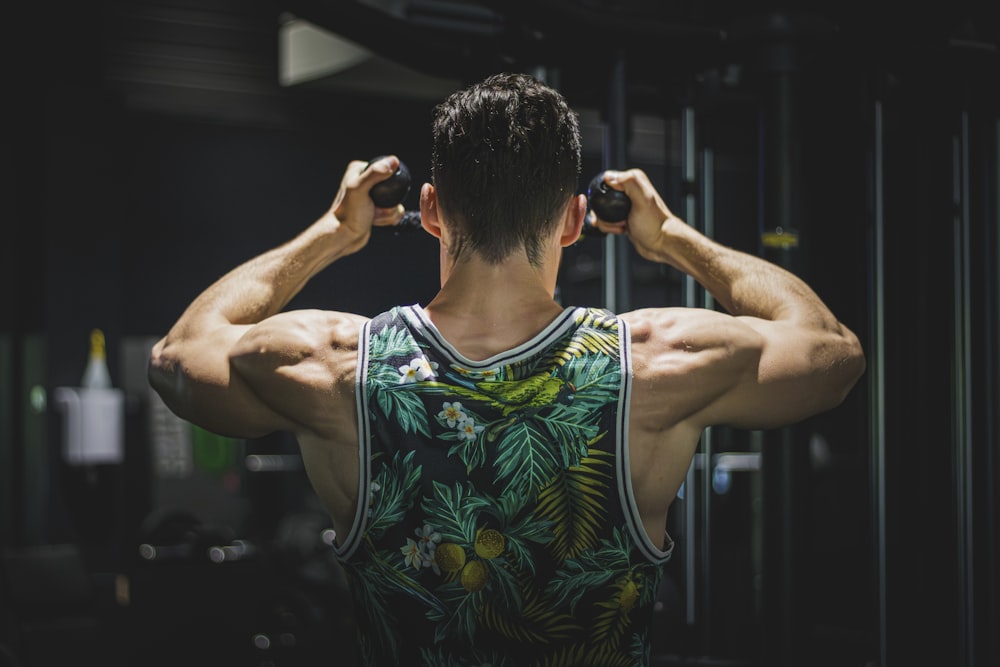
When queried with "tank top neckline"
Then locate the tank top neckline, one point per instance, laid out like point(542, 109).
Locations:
point(421, 321)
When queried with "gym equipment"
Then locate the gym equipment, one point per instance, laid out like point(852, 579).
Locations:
point(393, 190)
point(608, 204)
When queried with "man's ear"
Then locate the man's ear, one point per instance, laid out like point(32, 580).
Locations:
point(429, 218)
point(573, 223)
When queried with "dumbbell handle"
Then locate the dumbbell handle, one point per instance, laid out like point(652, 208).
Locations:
point(409, 222)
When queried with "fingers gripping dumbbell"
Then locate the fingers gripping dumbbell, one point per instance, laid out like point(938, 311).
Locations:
point(391, 192)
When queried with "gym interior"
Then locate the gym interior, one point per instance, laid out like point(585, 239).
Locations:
point(151, 145)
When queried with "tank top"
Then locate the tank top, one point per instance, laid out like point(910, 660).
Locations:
point(496, 523)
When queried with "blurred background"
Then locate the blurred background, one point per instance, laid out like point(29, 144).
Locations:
point(151, 145)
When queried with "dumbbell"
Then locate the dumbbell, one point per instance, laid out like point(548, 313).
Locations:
point(608, 204)
point(393, 190)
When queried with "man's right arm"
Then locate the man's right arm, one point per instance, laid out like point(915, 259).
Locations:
point(778, 357)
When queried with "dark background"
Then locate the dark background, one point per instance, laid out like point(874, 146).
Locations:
point(149, 146)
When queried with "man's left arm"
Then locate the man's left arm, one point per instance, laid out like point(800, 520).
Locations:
point(237, 317)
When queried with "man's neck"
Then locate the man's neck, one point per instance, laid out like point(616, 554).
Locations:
point(484, 309)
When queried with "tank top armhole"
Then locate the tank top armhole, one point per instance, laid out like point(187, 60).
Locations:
point(626, 494)
point(345, 550)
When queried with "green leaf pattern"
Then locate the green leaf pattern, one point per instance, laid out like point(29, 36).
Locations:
point(494, 533)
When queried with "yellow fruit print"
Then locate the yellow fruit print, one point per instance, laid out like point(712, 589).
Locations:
point(489, 543)
point(474, 576)
point(450, 557)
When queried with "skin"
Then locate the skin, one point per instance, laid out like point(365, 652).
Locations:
point(237, 364)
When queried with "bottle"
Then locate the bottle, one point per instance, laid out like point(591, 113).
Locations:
point(96, 374)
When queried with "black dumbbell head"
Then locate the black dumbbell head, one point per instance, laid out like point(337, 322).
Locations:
point(393, 190)
point(608, 204)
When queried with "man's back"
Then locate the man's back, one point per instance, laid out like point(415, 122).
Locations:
point(499, 524)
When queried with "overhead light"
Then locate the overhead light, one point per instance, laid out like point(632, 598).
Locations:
point(312, 56)
point(307, 52)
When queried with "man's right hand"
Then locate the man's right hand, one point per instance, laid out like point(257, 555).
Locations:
point(648, 216)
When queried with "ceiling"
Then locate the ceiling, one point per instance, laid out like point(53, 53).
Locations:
point(198, 57)
point(466, 39)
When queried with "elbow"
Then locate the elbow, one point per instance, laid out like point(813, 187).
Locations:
point(163, 374)
point(856, 361)
point(850, 369)
point(156, 367)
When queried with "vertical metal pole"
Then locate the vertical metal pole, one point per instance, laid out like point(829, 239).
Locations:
point(707, 441)
point(785, 464)
point(876, 372)
point(992, 463)
point(689, 167)
point(692, 530)
point(962, 408)
point(617, 281)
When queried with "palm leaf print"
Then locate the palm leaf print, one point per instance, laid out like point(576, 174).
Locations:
point(592, 569)
point(503, 585)
point(454, 511)
point(574, 503)
point(439, 658)
point(377, 581)
point(386, 345)
point(457, 618)
point(518, 535)
point(572, 427)
point(611, 622)
point(526, 458)
point(393, 493)
point(404, 407)
point(534, 623)
point(588, 656)
point(392, 342)
point(596, 381)
point(598, 335)
point(640, 647)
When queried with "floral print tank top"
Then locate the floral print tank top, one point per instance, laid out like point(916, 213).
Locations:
point(496, 524)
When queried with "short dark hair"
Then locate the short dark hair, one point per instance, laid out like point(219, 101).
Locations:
point(505, 162)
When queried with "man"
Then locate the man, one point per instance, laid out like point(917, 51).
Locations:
point(498, 468)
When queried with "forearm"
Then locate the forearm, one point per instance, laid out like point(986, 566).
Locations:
point(264, 285)
point(742, 283)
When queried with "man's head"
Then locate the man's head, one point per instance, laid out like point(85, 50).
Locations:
point(506, 160)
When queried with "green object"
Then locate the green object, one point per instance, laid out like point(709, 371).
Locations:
point(213, 453)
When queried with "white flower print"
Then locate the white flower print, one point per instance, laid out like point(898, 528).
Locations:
point(418, 369)
point(469, 429)
point(412, 554)
point(428, 539)
point(452, 413)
